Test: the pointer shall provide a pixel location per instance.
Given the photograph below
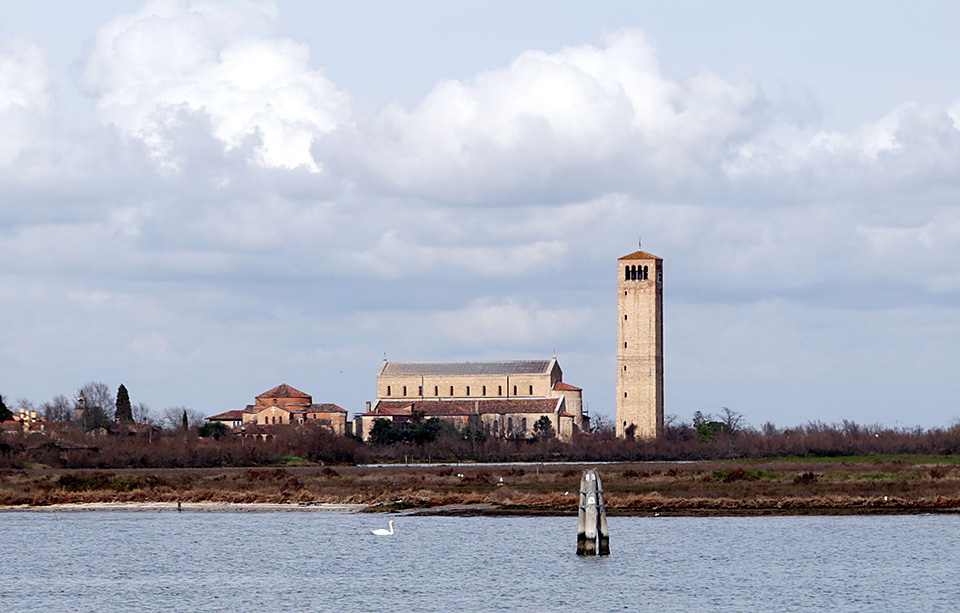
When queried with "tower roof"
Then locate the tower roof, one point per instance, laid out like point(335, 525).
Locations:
point(283, 391)
point(640, 255)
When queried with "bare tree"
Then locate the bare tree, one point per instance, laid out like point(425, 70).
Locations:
point(172, 417)
point(98, 395)
point(141, 414)
point(57, 409)
point(732, 421)
point(601, 424)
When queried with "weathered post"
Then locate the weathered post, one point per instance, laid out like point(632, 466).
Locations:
point(592, 517)
point(604, 533)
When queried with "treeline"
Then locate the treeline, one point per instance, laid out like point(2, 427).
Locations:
point(185, 447)
point(95, 405)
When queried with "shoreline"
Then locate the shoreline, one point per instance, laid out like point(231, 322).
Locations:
point(708, 489)
point(463, 510)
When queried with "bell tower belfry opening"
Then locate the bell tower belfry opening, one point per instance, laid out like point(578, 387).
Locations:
point(640, 345)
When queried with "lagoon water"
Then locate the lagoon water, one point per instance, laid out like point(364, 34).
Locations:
point(317, 561)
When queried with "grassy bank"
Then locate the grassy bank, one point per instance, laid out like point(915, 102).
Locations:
point(903, 484)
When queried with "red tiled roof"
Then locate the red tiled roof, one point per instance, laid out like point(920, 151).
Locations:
point(284, 391)
point(520, 405)
point(430, 408)
point(466, 407)
point(640, 255)
point(227, 415)
point(326, 407)
point(566, 387)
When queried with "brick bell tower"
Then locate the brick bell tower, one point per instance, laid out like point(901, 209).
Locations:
point(640, 345)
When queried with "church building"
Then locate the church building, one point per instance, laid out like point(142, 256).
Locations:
point(503, 398)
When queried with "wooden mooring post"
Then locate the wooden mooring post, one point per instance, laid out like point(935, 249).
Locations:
point(592, 525)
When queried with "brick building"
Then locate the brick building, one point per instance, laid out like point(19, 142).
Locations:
point(285, 405)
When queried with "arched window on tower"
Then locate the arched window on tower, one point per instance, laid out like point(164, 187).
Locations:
point(626, 273)
point(645, 271)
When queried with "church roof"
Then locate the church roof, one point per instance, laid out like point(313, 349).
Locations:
point(228, 415)
point(284, 391)
point(566, 387)
point(506, 367)
point(466, 407)
point(430, 408)
point(641, 255)
point(326, 407)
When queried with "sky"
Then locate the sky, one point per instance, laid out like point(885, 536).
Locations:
point(201, 200)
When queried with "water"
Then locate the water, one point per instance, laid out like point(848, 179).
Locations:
point(274, 561)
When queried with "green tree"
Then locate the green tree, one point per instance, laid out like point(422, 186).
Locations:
point(383, 432)
point(124, 408)
point(543, 429)
point(5, 413)
point(420, 430)
point(707, 427)
point(216, 429)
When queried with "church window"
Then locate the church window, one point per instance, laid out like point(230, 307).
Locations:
point(659, 276)
point(468, 390)
point(531, 390)
point(499, 390)
point(624, 344)
point(436, 390)
point(626, 273)
point(624, 368)
point(404, 390)
point(451, 390)
point(388, 390)
point(624, 394)
point(483, 392)
point(420, 391)
point(645, 271)
point(514, 390)
point(624, 318)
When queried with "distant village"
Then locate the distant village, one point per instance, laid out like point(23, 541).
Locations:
point(510, 399)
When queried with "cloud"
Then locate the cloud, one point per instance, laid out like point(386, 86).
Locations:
point(146, 68)
point(25, 99)
point(602, 115)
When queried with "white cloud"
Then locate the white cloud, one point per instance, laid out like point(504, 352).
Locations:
point(25, 99)
point(608, 111)
point(221, 60)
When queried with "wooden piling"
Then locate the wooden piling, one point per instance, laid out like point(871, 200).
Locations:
point(592, 517)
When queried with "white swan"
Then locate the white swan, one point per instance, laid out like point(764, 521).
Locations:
point(382, 532)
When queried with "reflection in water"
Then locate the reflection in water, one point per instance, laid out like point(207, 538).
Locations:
point(113, 561)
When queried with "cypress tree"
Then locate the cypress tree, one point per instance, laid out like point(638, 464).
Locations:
point(124, 409)
point(5, 413)
point(186, 422)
